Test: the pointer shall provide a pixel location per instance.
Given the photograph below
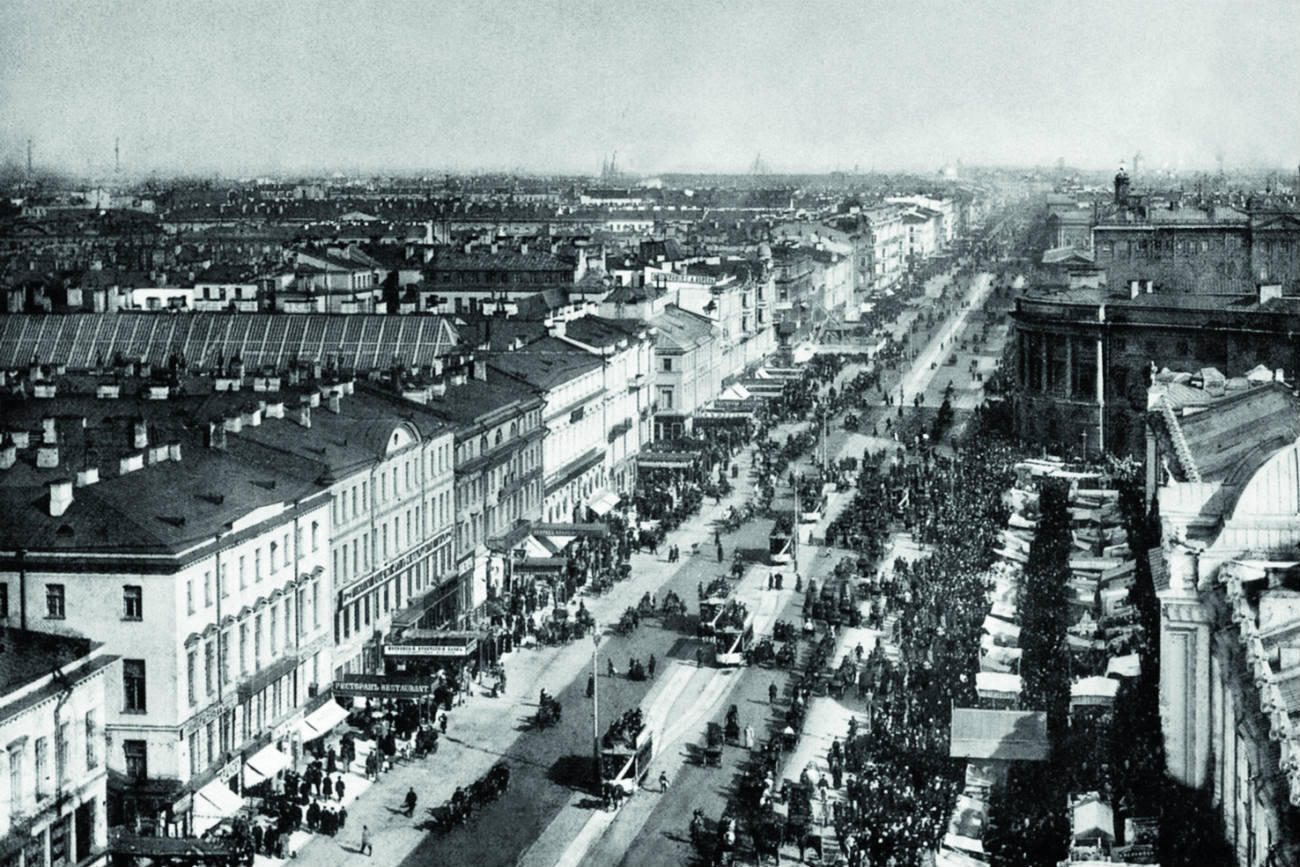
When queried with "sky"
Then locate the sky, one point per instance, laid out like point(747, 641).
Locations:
point(273, 86)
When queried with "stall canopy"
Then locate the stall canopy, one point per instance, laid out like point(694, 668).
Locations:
point(267, 762)
point(212, 803)
point(997, 685)
point(1094, 691)
point(322, 720)
point(1129, 665)
point(1011, 735)
point(603, 503)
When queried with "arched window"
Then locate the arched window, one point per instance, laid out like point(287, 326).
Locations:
point(514, 429)
point(483, 445)
point(499, 436)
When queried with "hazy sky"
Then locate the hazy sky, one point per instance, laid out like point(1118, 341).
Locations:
point(246, 87)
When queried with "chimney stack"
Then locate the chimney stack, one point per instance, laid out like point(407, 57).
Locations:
point(233, 423)
point(335, 402)
point(47, 457)
point(174, 450)
point(8, 455)
point(140, 434)
point(49, 433)
point(130, 463)
point(304, 414)
point(1134, 289)
point(60, 496)
point(88, 476)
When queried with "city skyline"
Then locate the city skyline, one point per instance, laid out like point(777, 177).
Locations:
point(245, 89)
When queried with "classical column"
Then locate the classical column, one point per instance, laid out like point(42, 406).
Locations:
point(1185, 695)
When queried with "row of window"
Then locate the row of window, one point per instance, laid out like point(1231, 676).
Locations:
point(355, 560)
point(46, 779)
point(354, 501)
point(271, 630)
point(465, 451)
point(422, 576)
point(278, 555)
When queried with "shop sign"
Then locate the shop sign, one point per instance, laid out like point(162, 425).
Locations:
point(230, 768)
point(384, 686)
point(439, 650)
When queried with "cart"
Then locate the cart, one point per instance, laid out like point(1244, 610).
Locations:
point(713, 745)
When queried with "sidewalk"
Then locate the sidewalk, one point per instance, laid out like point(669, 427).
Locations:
point(483, 729)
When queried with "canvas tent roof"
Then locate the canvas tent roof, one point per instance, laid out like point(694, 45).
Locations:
point(999, 734)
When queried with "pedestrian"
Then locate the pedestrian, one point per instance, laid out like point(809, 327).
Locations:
point(663, 781)
point(650, 667)
point(771, 693)
point(410, 802)
point(339, 788)
point(442, 722)
point(609, 665)
point(366, 848)
point(771, 580)
point(699, 657)
point(591, 685)
point(719, 553)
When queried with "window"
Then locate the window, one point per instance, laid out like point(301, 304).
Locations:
point(4, 600)
point(665, 398)
point(210, 741)
point(222, 580)
point(243, 648)
point(275, 547)
point(207, 589)
point(257, 643)
point(132, 602)
point(257, 565)
point(668, 365)
point(209, 668)
point(273, 635)
point(196, 760)
point(133, 685)
point(284, 550)
point(191, 674)
point(315, 535)
point(315, 604)
point(243, 571)
point(61, 738)
point(227, 664)
point(54, 601)
point(137, 759)
point(17, 793)
point(288, 625)
point(92, 738)
point(42, 768)
point(189, 594)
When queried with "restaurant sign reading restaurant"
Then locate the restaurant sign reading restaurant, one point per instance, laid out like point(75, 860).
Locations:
point(384, 686)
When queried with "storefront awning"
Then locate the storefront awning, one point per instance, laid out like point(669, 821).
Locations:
point(322, 720)
point(265, 764)
point(212, 803)
point(603, 503)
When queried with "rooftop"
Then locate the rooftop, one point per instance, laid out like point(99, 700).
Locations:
point(27, 656)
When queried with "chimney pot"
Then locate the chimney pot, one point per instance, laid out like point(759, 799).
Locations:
point(140, 434)
point(174, 451)
point(216, 438)
point(8, 455)
point(60, 496)
point(335, 402)
point(233, 423)
point(88, 476)
point(313, 398)
point(22, 439)
point(304, 415)
point(49, 433)
point(275, 410)
point(47, 457)
point(130, 463)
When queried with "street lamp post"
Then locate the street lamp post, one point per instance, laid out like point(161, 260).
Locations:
point(595, 706)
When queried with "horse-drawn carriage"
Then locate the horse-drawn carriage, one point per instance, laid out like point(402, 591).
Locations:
point(460, 808)
point(713, 745)
point(548, 711)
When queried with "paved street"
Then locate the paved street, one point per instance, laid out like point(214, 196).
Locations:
point(549, 816)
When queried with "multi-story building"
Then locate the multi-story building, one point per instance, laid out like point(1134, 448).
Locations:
point(572, 383)
point(688, 369)
point(627, 352)
point(942, 212)
point(1084, 355)
point(392, 551)
point(1212, 248)
point(53, 783)
point(924, 234)
point(496, 421)
point(737, 295)
point(1226, 472)
point(129, 521)
point(485, 280)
